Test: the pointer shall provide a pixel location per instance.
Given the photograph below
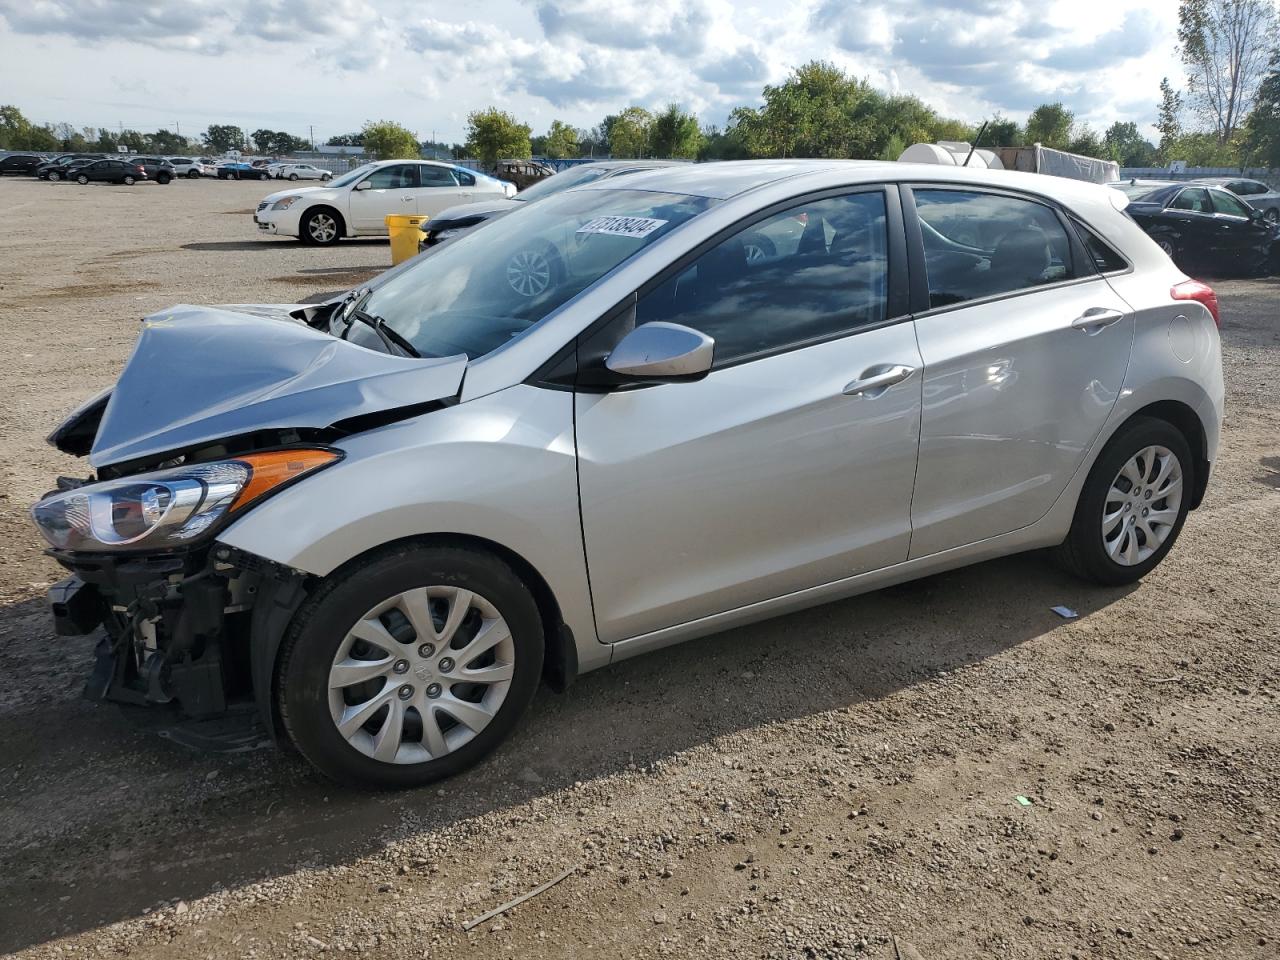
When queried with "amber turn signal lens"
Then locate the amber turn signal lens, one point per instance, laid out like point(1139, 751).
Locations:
point(273, 467)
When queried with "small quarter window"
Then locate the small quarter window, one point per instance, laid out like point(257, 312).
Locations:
point(1104, 257)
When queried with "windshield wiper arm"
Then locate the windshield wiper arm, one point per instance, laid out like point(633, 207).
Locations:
point(390, 338)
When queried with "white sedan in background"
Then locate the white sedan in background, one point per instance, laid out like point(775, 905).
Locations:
point(357, 203)
point(301, 171)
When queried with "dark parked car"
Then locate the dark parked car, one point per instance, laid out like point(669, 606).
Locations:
point(158, 169)
point(240, 170)
point(20, 163)
point(56, 168)
point(1207, 228)
point(109, 171)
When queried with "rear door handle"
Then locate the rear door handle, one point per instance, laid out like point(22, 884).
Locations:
point(877, 378)
point(1096, 319)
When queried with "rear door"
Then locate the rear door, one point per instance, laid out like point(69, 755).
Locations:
point(438, 189)
point(1025, 347)
point(776, 472)
point(392, 190)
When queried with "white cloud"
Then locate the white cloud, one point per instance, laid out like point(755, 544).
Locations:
point(339, 62)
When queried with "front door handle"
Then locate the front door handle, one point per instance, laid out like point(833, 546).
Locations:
point(406, 199)
point(877, 378)
point(1096, 319)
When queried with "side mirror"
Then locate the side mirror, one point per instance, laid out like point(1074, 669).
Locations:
point(1255, 214)
point(364, 185)
point(662, 352)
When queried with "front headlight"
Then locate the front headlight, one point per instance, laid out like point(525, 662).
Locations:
point(284, 203)
point(168, 509)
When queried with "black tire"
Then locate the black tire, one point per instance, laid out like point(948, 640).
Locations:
point(293, 176)
point(53, 177)
point(129, 181)
point(193, 174)
point(305, 233)
point(1084, 551)
point(313, 639)
point(82, 179)
point(326, 177)
point(163, 178)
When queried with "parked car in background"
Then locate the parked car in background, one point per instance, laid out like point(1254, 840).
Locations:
point(240, 170)
point(127, 172)
point(357, 203)
point(1254, 192)
point(187, 167)
point(20, 163)
point(1204, 227)
point(1136, 187)
point(301, 171)
point(431, 495)
point(157, 168)
point(55, 169)
point(455, 221)
point(523, 173)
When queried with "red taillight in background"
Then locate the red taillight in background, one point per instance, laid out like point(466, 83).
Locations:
point(1199, 292)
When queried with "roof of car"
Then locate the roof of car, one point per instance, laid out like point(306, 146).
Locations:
point(729, 178)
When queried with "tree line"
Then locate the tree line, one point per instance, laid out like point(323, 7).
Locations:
point(1226, 112)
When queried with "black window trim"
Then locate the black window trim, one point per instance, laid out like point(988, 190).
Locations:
point(915, 247)
point(1077, 222)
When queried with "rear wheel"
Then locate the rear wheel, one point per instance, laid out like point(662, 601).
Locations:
point(129, 181)
point(293, 176)
point(410, 667)
point(82, 179)
point(1133, 504)
point(193, 174)
point(163, 178)
point(54, 177)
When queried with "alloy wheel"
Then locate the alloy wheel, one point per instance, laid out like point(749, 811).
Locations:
point(1272, 215)
point(1142, 505)
point(1166, 246)
point(322, 227)
point(421, 674)
point(529, 273)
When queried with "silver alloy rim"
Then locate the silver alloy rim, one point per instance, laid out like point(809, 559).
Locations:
point(82, 180)
point(1142, 505)
point(1272, 214)
point(421, 674)
point(529, 273)
point(1166, 246)
point(754, 252)
point(55, 177)
point(322, 227)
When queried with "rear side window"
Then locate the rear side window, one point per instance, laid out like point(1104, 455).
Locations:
point(464, 179)
point(983, 245)
point(436, 177)
point(1104, 257)
point(816, 271)
point(1194, 199)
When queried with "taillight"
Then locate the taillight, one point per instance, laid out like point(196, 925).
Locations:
point(1199, 292)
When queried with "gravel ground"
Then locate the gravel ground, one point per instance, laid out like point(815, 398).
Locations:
point(839, 783)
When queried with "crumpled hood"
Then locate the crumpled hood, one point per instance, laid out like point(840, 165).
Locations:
point(200, 374)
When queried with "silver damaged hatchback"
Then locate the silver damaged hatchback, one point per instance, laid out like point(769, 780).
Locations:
point(637, 412)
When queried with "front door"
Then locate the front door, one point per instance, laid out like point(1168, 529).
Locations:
point(791, 464)
point(1240, 241)
point(392, 189)
point(1025, 349)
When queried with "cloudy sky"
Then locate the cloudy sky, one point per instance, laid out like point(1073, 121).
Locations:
point(332, 64)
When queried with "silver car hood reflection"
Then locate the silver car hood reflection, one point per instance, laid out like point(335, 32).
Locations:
point(200, 374)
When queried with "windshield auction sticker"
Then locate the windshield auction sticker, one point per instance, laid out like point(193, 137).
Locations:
point(622, 226)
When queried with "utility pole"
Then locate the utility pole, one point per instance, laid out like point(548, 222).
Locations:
point(312, 128)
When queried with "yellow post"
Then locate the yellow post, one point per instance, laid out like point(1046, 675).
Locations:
point(406, 233)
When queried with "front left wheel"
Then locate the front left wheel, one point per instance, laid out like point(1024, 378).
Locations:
point(410, 667)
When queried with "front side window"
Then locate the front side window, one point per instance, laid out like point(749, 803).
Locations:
point(437, 177)
point(464, 178)
point(1224, 202)
point(983, 245)
point(815, 271)
point(477, 293)
point(1194, 200)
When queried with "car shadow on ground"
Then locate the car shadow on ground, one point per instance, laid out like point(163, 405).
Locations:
point(283, 243)
point(134, 820)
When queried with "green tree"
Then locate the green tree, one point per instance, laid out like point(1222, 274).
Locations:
point(1086, 142)
point(14, 128)
point(1003, 132)
point(720, 144)
point(675, 134)
point(384, 140)
point(262, 140)
point(1168, 121)
point(1225, 46)
point(494, 134)
point(166, 141)
point(1126, 146)
point(818, 111)
point(221, 137)
point(1262, 129)
point(1050, 125)
point(629, 132)
point(346, 140)
point(561, 141)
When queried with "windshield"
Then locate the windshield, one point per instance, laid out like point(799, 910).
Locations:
point(567, 180)
point(477, 293)
point(1136, 191)
point(352, 177)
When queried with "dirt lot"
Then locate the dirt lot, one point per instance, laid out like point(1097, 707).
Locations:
point(815, 786)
